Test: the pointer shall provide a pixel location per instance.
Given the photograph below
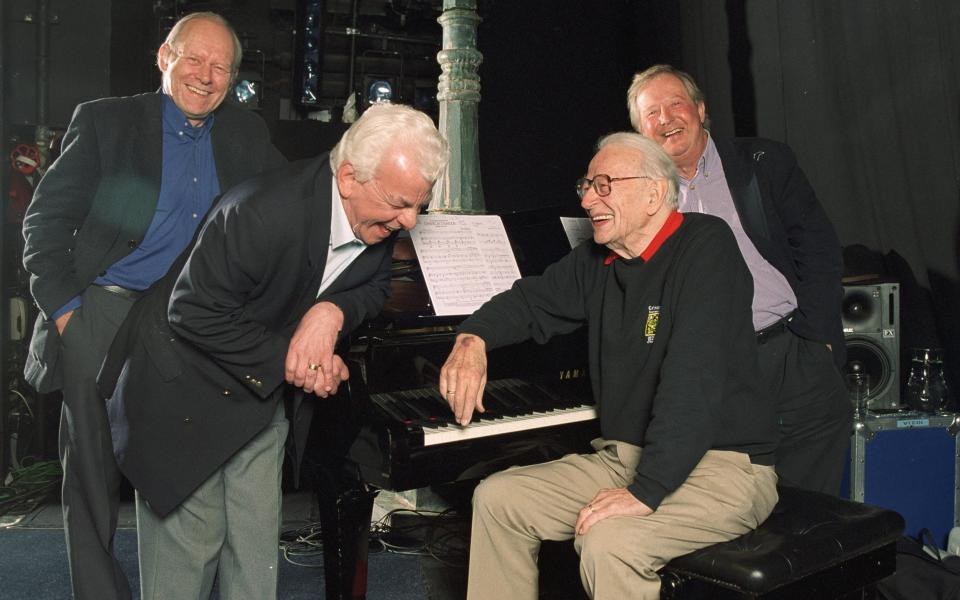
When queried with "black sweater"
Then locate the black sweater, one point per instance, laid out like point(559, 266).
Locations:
point(672, 349)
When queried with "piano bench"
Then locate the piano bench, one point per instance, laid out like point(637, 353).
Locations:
point(812, 546)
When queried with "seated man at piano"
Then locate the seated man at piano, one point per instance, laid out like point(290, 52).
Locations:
point(686, 454)
point(285, 265)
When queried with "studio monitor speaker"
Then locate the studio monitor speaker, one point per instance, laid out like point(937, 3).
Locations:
point(871, 326)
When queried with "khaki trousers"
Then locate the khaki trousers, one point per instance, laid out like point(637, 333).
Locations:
point(724, 497)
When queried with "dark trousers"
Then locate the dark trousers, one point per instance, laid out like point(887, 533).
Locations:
point(91, 479)
point(814, 413)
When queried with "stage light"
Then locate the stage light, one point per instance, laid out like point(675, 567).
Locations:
point(380, 91)
point(247, 93)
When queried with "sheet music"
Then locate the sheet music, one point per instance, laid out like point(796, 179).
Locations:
point(577, 229)
point(465, 260)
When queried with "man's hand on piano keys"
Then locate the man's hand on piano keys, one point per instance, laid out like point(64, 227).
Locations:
point(609, 503)
point(464, 376)
point(311, 363)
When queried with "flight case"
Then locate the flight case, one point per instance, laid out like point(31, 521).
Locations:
point(908, 462)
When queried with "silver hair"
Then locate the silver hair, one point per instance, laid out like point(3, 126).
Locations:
point(384, 126)
point(653, 161)
point(210, 16)
point(641, 79)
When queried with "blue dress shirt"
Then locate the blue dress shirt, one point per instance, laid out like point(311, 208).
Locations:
point(188, 186)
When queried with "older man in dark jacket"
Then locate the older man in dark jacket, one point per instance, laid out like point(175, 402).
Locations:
point(286, 264)
point(135, 178)
point(793, 253)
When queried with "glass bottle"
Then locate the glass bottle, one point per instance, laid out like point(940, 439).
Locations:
point(927, 383)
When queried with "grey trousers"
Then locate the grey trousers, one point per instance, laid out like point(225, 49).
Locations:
point(724, 497)
point(91, 478)
point(230, 526)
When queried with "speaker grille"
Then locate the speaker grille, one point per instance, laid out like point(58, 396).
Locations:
point(864, 355)
point(861, 309)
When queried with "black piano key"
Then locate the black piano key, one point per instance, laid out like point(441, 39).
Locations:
point(433, 404)
point(563, 392)
point(495, 405)
point(384, 402)
point(412, 400)
point(476, 418)
point(438, 399)
point(494, 397)
point(547, 393)
point(487, 415)
point(492, 410)
point(409, 416)
point(433, 397)
point(539, 401)
point(521, 405)
point(412, 403)
point(442, 410)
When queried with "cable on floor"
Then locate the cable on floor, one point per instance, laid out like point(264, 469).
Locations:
point(442, 535)
point(28, 486)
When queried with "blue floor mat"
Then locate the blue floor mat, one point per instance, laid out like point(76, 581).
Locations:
point(33, 566)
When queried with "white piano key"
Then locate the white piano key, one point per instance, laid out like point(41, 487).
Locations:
point(456, 433)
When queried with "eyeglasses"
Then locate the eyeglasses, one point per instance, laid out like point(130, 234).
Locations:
point(601, 184)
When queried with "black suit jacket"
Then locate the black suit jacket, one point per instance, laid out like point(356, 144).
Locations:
point(783, 218)
point(199, 376)
point(95, 203)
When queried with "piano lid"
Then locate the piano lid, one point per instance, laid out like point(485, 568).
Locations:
point(537, 237)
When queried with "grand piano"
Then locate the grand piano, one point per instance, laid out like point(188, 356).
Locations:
point(389, 429)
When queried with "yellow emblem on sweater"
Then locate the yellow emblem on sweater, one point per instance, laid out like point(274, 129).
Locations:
point(653, 317)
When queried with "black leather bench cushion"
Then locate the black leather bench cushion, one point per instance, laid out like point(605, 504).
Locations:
point(807, 533)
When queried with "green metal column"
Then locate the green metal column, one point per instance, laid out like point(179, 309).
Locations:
point(459, 95)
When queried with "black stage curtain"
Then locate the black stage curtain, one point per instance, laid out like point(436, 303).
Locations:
point(867, 92)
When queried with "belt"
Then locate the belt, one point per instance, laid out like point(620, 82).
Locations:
point(120, 291)
point(771, 331)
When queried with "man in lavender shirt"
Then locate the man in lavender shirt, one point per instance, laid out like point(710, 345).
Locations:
point(793, 253)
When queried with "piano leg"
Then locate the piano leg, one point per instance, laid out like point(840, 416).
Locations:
point(345, 513)
point(345, 502)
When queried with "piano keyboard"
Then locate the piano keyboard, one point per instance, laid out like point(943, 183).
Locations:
point(511, 405)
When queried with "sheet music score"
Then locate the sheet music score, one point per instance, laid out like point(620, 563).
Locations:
point(577, 229)
point(465, 260)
